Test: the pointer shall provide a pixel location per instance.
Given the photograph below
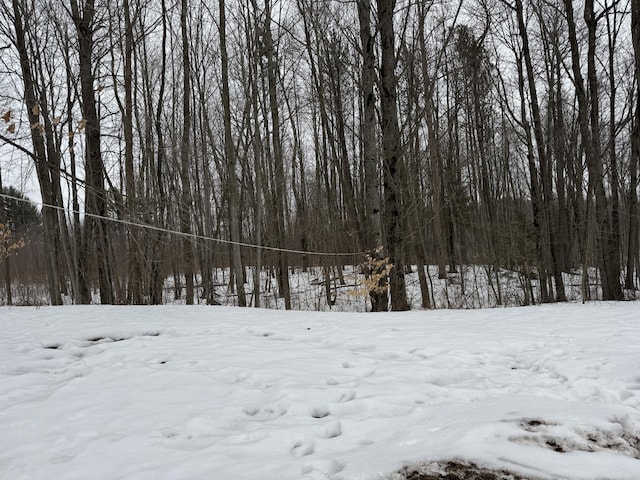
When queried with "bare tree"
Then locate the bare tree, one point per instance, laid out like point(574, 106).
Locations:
point(545, 164)
point(185, 151)
point(32, 94)
point(589, 119)
point(230, 157)
point(279, 179)
point(391, 155)
point(632, 252)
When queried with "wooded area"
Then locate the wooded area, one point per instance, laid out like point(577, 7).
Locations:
point(503, 133)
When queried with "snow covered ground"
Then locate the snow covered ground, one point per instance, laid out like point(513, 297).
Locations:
point(217, 393)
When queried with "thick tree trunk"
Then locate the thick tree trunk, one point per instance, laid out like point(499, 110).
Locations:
point(391, 155)
point(95, 201)
point(372, 202)
point(632, 251)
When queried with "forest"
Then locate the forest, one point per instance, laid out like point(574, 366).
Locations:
point(171, 138)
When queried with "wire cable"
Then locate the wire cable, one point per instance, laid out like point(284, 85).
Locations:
point(188, 235)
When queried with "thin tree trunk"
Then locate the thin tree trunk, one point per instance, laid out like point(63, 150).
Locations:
point(230, 157)
point(78, 276)
point(134, 263)
point(545, 168)
point(435, 160)
point(279, 179)
point(5, 260)
point(608, 259)
point(157, 261)
point(185, 150)
point(536, 200)
point(49, 216)
point(257, 158)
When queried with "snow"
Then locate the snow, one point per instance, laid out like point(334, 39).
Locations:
point(176, 392)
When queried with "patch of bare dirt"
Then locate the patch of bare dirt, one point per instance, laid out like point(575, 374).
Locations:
point(455, 470)
point(621, 436)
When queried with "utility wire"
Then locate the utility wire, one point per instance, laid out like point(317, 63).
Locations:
point(188, 235)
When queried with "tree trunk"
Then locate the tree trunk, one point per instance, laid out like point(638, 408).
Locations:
point(391, 155)
point(5, 260)
point(95, 201)
point(134, 244)
point(256, 140)
point(279, 179)
point(632, 253)
point(230, 157)
point(608, 259)
point(435, 160)
point(373, 204)
point(49, 216)
point(157, 260)
point(545, 167)
point(185, 150)
point(536, 196)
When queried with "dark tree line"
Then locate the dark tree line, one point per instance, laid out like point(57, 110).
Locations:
point(502, 133)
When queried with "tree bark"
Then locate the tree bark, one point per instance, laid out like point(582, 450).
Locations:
point(279, 179)
point(608, 259)
point(545, 167)
point(373, 203)
point(435, 160)
point(231, 160)
point(185, 150)
point(49, 216)
point(134, 263)
point(391, 155)
point(5, 260)
point(95, 199)
point(632, 251)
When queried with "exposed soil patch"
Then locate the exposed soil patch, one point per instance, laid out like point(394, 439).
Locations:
point(622, 437)
point(455, 470)
point(534, 424)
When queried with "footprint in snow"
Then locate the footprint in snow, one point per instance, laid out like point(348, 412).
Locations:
point(361, 347)
point(303, 448)
point(347, 396)
point(351, 380)
point(419, 353)
point(330, 430)
point(625, 395)
point(320, 412)
point(322, 469)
